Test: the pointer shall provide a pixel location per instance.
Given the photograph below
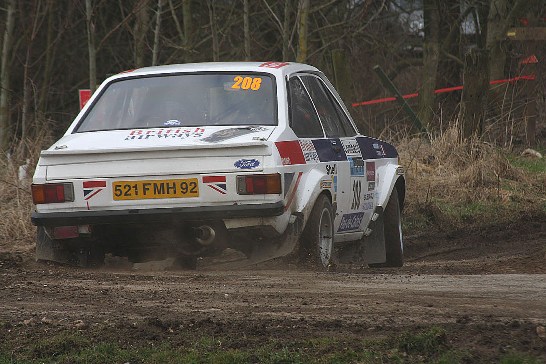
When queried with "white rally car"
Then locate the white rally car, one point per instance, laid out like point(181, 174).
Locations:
point(188, 160)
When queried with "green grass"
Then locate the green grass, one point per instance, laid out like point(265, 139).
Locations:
point(532, 165)
point(519, 358)
point(427, 346)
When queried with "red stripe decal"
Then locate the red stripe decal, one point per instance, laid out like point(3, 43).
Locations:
point(293, 193)
point(94, 184)
point(214, 179)
point(290, 152)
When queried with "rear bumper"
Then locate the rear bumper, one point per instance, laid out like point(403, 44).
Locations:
point(165, 215)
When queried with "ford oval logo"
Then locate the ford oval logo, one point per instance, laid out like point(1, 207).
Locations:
point(247, 163)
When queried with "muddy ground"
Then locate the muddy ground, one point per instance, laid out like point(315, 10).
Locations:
point(486, 287)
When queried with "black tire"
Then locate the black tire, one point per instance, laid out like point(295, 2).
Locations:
point(394, 244)
point(317, 239)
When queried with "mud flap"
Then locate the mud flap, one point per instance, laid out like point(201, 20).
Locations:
point(51, 250)
point(375, 244)
point(369, 249)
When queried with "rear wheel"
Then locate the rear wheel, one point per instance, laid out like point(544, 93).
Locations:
point(317, 239)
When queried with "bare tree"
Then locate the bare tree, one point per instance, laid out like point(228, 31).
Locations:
point(246, 30)
point(91, 45)
point(431, 54)
point(5, 74)
point(214, 31)
point(303, 10)
point(142, 20)
point(157, 30)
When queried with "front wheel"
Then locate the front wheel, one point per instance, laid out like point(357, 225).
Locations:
point(317, 239)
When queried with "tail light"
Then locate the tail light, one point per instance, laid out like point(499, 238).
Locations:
point(52, 193)
point(259, 184)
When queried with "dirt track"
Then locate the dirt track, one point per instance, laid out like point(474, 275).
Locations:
point(447, 281)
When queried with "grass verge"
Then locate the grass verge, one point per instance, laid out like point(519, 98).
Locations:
point(430, 345)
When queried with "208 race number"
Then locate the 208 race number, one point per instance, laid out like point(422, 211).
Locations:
point(154, 189)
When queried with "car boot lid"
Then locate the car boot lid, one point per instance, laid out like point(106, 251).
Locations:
point(160, 139)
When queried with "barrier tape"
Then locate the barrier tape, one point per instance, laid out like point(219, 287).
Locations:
point(442, 90)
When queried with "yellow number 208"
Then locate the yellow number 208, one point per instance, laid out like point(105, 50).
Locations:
point(247, 83)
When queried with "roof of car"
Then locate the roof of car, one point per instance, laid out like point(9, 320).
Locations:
point(276, 68)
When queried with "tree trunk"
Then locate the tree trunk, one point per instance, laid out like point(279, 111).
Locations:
point(431, 49)
point(246, 30)
point(157, 31)
point(286, 30)
point(91, 45)
point(474, 98)
point(496, 34)
point(188, 28)
point(342, 76)
point(214, 32)
point(50, 51)
point(302, 31)
point(501, 15)
point(5, 77)
point(142, 20)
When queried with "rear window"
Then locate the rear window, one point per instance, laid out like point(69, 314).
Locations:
point(184, 100)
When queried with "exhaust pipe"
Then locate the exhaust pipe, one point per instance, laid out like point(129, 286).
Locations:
point(204, 235)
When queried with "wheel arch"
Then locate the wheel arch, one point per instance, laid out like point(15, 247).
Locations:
point(310, 192)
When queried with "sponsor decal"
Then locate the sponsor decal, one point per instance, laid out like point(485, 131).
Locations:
point(326, 185)
point(274, 64)
point(290, 152)
point(92, 188)
point(357, 190)
point(374, 149)
point(230, 133)
point(217, 183)
point(309, 152)
point(331, 169)
point(164, 133)
point(172, 123)
point(379, 150)
point(247, 163)
point(327, 152)
point(370, 171)
point(335, 183)
point(350, 222)
point(371, 186)
point(351, 147)
point(357, 166)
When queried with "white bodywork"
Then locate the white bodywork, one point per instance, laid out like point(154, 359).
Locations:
point(358, 174)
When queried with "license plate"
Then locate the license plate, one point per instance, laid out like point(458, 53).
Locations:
point(150, 189)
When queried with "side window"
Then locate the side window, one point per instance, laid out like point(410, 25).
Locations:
point(325, 109)
point(331, 115)
point(303, 118)
point(345, 122)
